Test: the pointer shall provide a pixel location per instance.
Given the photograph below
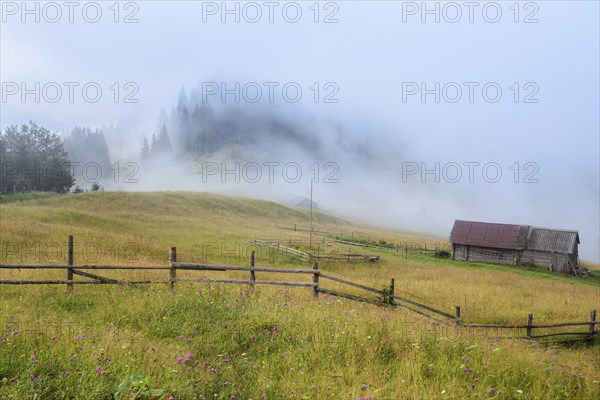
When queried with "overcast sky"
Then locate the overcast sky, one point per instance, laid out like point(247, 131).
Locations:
point(503, 84)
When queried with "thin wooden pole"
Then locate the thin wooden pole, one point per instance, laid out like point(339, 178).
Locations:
point(316, 280)
point(592, 320)
point(457, 313)
point(391, 299)
point(529, 323)
point(173, 270)
point(69, 262)
point(311, 219)
point(252, 275)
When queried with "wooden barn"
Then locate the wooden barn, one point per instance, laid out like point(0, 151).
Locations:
point(554, 249)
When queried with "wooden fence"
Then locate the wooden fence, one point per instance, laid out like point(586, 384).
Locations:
point(386, 297)
point(308, 257)
point(366, 242)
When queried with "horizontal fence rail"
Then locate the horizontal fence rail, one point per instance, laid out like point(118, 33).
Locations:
point(209, 267)
point(385, 297)
point(65, 266)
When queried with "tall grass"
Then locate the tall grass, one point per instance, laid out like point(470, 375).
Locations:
point(228, 341)
point(216, 341)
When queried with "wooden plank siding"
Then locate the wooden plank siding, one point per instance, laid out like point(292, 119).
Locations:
point(485, 254)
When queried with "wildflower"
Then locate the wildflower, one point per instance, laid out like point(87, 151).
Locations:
point(519, 391)
point(179, 360)
point(225, 383)
point(66, 372)
point(493, 390)
point(188, 356)
point(180, 337)
point(33, 357)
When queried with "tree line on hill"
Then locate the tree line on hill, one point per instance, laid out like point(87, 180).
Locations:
point(32, 158)
point(194, 128)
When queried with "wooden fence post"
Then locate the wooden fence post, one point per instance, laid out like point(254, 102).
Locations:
point(316, 280)
point(252, 276)
point(529, 323)
point(172, 271)
point(391, 291)
point(592, 320)
point(69, 262)
point(457, 313)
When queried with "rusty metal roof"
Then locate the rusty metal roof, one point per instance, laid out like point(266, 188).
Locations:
point(517, 237)
point(486, 234)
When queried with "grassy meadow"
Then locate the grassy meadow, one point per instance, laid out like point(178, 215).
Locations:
point(219, 341)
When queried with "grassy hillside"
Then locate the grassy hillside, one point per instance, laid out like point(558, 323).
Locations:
point(218, 341)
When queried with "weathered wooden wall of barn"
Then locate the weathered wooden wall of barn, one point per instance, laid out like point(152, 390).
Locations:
point(484, 254)
point(575, 256)
point(552, 261)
